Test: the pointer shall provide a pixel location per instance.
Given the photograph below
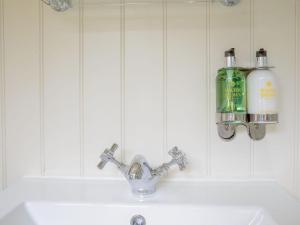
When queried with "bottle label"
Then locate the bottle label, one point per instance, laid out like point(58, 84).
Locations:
point(262, 94)
point(268, 90)
point(233, 90)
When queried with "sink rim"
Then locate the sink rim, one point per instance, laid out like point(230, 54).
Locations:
point(33, 209)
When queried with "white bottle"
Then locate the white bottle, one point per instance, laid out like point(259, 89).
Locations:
point(262, 89)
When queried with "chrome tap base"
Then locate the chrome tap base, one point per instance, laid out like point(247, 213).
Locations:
point(140, 176)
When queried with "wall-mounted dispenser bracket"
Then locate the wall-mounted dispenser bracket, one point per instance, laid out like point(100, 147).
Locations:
point(226, 131)
point(254, 123)
point(227, 123)
point(256, 131)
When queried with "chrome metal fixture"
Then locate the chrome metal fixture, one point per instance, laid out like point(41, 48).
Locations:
point(141, 177)
point(230, 2)
point(138, 220)
point(227, 130)
point(254, 123)
point(59, 5)
point(63, 5)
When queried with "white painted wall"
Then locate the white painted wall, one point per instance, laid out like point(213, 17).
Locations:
point(73, 83)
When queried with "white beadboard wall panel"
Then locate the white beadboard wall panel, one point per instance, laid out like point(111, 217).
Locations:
point(273, 156)
point(21, 29)
point(2, 99)
point(229, 28)
point(102, 85)
point(62, 92)
point(143, 76)
point(186, 86)
point(144, 82)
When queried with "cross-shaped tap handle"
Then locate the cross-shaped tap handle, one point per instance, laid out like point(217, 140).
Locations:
point(178, 157)
point(107, 155)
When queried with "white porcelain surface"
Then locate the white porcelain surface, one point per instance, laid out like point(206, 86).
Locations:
point(41, 201)
point(79, 214)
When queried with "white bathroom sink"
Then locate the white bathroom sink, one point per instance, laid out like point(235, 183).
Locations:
point(41, 201)
point(33, 213)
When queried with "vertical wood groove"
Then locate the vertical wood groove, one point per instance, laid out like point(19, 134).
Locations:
point(41, 89)
point(81, 87)
point(3, 98)
point(122, 76)
point(208, 86)
point(252, 64)
point(297, 111)
point(297, 174)
point(165, 77)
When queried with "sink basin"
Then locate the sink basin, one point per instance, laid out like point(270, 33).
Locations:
point(41, 201)
point(32, 213)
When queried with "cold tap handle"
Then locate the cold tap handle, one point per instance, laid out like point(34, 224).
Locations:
point(107, 155)
point(178, 157)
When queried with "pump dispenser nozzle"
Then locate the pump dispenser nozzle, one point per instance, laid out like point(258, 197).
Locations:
point(230, 58)
point(230, 52)
point(261, 53)
point(261, 58)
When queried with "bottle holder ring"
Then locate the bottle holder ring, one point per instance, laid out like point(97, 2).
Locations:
point(255, 124)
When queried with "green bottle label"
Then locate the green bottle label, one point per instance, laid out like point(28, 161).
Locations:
point(231, 91)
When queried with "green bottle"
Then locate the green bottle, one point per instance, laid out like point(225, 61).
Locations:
point(231, 85)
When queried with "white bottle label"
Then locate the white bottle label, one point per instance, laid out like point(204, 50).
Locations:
point(262, 93)
point(268, 91)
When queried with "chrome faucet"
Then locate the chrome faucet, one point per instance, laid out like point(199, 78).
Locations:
point(141, 177)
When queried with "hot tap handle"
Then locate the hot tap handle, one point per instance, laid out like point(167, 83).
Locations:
point(107, 155)
point(178, 157)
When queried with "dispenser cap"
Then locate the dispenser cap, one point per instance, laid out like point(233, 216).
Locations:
point(261, 53)
point(229, 52)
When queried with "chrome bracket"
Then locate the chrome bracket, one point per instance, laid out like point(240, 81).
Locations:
point(226, 131)
point(254, 123)
point(256, 131)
